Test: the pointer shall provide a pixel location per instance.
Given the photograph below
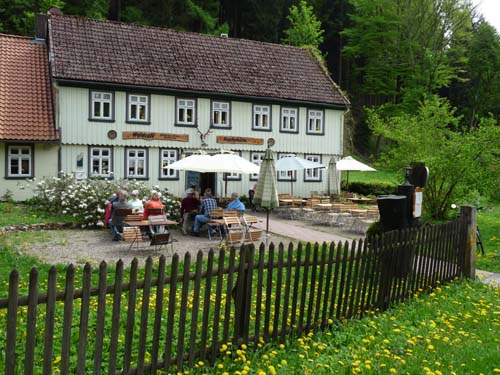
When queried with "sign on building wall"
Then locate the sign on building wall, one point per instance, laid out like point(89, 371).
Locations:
point(150, 136)
point(239, 140)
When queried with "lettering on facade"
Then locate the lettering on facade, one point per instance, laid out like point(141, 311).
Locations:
point(239, 140)
point(150, 136)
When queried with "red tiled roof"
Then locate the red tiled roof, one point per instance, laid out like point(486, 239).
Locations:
point(26, 111)
point(128, 54)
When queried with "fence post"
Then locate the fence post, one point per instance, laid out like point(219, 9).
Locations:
point(241, 296)
point(469, 213)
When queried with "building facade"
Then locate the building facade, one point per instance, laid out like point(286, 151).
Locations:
point(129, 100)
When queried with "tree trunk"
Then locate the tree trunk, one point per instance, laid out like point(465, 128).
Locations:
point(114, 10)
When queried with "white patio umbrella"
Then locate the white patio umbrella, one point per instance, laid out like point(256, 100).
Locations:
point(266, 192)
point(195, 162)
point(232, 163)
point(350, 164)
point(225, 162)
point(295, 163)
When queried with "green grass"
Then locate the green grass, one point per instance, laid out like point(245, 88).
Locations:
point(456, 319)
point(379, 176)
point(489, 224)
point(15, 213)
point(454, 330)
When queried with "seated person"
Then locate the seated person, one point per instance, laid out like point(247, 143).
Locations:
point(193, 188)
point(235, 204)
point(251, 194)
point(135, 202)
point(109, 209)
point(116, 222)
point(189, 209)
point(153, 203)
point(207, 205)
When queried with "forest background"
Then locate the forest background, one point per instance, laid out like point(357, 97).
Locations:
point(423, 76)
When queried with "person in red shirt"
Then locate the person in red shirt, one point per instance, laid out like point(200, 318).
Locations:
point(153, 203)
point(189, 209)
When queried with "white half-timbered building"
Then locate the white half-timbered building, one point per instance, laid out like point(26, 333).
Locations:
point(129, 100)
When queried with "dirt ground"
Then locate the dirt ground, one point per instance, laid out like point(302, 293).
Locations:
point(78, 246)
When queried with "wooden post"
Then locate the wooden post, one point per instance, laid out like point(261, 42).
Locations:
point(469, 213)
point(241, 295)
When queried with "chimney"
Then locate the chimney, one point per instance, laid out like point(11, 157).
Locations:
point(41, 27)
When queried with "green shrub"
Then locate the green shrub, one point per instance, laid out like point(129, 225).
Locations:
point(375, 229)
point(370, 188)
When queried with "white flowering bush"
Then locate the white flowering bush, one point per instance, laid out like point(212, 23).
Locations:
point(86, 199)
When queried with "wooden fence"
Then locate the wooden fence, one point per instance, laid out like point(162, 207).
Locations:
point(170, 316)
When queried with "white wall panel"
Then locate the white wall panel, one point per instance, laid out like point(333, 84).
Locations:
point(78, 133)
point(45, 165)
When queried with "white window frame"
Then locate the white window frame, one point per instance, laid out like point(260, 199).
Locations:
point(182, 106)
point(218, 109)
point(168, 156)
point(261, 114)
point(314, 174)
point(137, 100)
point(315, 117)
point(101, 158)
point(133, 160)
point(20, 156)
point(97, 97)
point(256, 158)
point(286, 175)
point(287, 115)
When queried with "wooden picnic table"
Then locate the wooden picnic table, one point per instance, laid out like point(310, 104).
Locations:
point(358, 211)
point(323, 206)
point(146, 223)
point(137, 237)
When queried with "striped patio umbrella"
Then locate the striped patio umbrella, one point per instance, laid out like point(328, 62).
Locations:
point(266, 192)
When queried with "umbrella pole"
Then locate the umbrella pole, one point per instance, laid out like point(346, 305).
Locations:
point(267, 226)
point(267, 221)
point(225, 186)
point(347, 183)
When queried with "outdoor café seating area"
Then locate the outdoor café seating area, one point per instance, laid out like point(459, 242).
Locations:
point(348, 212)
point(227, 227)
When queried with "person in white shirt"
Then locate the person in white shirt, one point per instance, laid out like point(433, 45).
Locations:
point(135, 203)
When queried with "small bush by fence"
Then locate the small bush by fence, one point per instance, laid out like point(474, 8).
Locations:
point(184, 312)
point(370, 188)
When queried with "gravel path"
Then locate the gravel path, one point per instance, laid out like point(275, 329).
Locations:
point(78, 246)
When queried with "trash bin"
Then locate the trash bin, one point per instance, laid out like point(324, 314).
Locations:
point(393, 212)
point(408, 191)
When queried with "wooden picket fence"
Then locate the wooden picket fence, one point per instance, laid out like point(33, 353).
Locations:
point(179, 313)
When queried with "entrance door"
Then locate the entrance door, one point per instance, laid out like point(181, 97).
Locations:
point(202, 181)
point(208, 180)
point(193, 178)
